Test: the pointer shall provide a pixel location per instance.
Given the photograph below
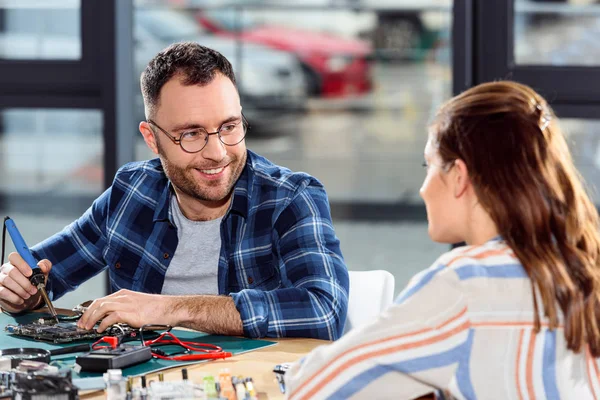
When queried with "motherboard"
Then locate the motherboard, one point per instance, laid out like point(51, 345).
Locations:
point(64, 332)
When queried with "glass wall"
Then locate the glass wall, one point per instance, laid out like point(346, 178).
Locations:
point(342, 90)
point(557, 33)
point(40, 29)
point(584, 141)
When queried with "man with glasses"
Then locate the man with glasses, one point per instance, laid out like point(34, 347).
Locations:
point(209, 235)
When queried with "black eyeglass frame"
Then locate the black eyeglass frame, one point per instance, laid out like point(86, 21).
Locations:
point(243, 121)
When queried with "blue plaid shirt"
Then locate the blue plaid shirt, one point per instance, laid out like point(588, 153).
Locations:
point(280, 260)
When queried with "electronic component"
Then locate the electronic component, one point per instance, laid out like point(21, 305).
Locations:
point(174, 390)
point(104, 358)
point(64, 332)
point(37, 380)
point(280, 370)
point(115, 384)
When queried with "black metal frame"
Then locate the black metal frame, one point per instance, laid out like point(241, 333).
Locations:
point(87, 83)
point(483, 51)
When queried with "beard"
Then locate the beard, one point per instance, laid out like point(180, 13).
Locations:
point(186, 180)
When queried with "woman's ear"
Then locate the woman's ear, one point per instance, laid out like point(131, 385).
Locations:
point(461, 178)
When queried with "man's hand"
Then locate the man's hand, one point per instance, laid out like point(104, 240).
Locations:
point(125, 306)
point(16, 292)
point(206, 313)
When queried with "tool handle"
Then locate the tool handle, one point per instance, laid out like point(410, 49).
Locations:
point(70, 349)
point(20, 244)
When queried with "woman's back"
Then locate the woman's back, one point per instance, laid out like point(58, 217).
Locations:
point(466, 324)
point(506, 357)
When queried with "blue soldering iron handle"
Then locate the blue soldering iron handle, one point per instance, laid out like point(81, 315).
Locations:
point(21, 246)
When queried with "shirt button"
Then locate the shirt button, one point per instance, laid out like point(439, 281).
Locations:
point(117, 265)
point(250, 280)
point(166, 255)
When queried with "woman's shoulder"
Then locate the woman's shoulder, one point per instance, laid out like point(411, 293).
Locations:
point(493, 259)
point(495, 251)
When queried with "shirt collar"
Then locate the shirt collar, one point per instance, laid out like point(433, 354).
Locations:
point(162, 212)
point(243, 188)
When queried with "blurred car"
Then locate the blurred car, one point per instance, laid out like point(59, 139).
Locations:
point(406, 29)
point(334, 66)
point(271, 83)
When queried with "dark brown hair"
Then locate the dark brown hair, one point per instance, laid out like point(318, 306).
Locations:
point(524, 177)
point(197, 65)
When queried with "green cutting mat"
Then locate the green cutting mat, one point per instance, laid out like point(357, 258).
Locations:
point(235, 345)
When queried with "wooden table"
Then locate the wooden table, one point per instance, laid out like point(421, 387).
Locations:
point(256, 364)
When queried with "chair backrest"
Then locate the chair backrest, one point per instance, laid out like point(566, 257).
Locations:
point(371, 292)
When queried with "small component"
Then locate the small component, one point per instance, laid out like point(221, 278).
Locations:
point(250, 389)
point(143, 391)
point(81, 308)
point(240, 389)
point(115, 384)
point(174, 390)
point(210, 387)
point(227, 390)
point(5, 363)
point(129, 387)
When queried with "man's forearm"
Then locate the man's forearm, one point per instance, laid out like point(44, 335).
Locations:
point(211, 314)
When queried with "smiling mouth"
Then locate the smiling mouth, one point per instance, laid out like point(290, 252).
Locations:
point(214, 171)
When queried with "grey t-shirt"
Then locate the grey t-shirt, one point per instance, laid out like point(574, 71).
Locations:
point(195, 264)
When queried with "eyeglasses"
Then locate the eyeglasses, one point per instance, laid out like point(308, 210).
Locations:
point(194, 140)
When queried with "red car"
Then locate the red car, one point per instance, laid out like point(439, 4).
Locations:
point(334, 66)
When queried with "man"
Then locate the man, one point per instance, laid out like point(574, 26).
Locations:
point(208, 236)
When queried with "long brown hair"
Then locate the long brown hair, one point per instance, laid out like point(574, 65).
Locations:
point(524, 177)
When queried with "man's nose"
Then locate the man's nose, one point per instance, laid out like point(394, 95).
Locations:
point(215, 149)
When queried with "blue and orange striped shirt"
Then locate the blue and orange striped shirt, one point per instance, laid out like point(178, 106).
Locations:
point(464, 326)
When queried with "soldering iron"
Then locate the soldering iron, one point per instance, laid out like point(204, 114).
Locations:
point(37, 277)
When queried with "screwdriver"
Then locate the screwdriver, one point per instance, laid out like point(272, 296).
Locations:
point(37, 277)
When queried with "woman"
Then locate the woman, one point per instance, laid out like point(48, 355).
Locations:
point(512, 315)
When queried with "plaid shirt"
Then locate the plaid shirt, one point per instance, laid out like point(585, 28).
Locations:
point(280, 260)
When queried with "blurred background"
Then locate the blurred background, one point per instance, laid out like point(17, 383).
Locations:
point(341, 89)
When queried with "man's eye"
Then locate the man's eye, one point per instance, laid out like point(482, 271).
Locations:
point(227, 128)
point(191, 135)
point(424, 165)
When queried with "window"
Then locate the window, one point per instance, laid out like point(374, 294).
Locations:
point(34, 29)
point(52, 170)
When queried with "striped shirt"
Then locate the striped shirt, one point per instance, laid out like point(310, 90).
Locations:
point(464, 325)
point(279, 260)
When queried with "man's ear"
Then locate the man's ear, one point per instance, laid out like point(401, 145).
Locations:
point(149, 137)
point(461, 178)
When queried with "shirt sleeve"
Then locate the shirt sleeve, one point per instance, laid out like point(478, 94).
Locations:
point(411, 349)
point(76, 251)
point(314, 300)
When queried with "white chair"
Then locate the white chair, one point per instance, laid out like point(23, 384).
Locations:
point(371, 292)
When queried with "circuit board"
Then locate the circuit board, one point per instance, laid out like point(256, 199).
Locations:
point(47, 329)
point(62, 332)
